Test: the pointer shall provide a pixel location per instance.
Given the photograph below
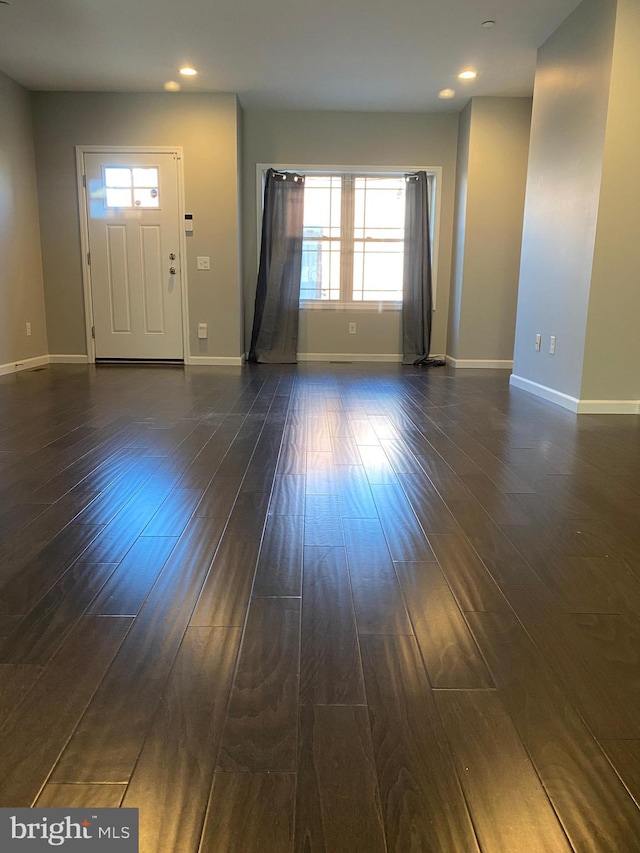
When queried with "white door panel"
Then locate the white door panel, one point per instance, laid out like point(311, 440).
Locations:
point(134, 250)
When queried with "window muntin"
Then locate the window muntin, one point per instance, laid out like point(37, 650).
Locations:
point(131, 187)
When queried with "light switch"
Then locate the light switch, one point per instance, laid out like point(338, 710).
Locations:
point(203, 263)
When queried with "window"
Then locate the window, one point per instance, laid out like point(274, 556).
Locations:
point(353, 247)
point(353, 233)
point(131, 187)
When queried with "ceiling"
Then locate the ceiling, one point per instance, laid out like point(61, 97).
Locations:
point(288, 54)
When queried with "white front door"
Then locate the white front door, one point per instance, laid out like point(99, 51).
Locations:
point(133, 224)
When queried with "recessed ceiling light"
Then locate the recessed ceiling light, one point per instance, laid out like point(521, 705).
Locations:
point(172, 86)
point(446, 94)
point(468, 75)
point(488, 24)
point(187, 71)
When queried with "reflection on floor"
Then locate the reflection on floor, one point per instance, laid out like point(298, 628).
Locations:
point(325, 607)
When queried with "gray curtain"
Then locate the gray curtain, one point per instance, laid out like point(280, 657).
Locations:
point(416, 298)
point(275, 322)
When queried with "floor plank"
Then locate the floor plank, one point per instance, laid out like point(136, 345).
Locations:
point(625, 757)
point(279, 568)
point(596, 655)
point(81, 796)
point(322, 525)
point(127, 588)
point(106, 744)
point(173, 776)
point(20, 593)
point(33, 736)
point(378, 601)
point(250, 813)
point(337, 801)
point(468, 577)
point(260, 732)
point(594, 807)
point(356, 500)
point(205, 485)
point(330, 671)
point(405, 538)
point(38, 636)
point(423, 806)
point(432, 512)
point(450, 654)
point(509, 807)
point(15, 681)
point(225, 594)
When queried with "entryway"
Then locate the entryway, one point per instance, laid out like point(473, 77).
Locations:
point(134, 287)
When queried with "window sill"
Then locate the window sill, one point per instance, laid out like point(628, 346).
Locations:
point(370, 307)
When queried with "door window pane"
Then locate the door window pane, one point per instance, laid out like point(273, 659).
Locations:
point(131, 187)
point(114, 177)
point(145, 177)
point(146, 197)
point(118, 198)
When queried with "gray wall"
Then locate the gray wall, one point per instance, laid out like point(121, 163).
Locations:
point(563, 188)
point(206, 126)
point(612, 352)
point(21, 288)
point(493, 147)
point(343, 139)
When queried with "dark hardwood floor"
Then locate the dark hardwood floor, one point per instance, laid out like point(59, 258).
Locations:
point(338, 608)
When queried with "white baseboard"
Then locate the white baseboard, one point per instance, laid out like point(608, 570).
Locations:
point(68, 359)
point(392, 357)
point(609, 407)
point(549, 394)
point(573, 404)
point(215, 360)
point(24, 364)
point(479, 364)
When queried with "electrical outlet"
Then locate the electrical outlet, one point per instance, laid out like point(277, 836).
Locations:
point(538, 342)
point(352, 329)
point(203, 263)
point(552, 345)
point(28, 328)
point(202, 331)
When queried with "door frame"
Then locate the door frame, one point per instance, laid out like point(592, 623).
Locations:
point(81, 150)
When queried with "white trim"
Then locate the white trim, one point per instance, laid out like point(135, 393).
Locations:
point(609, 407)
point(215, 360)
point(436, 171)
point(24, 364)
point(370, 307)
point(68, 359)
point(573, 404)
point(549, 394)
point(81, 150)
point(478, 364)
point(350, 356)
point(84, 251)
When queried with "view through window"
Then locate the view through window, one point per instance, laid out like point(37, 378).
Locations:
point(127, 187)
point(353, 247)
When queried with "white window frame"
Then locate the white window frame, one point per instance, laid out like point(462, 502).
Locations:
point(435, 175)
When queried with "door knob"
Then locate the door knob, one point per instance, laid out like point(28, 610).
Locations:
point(172, 270)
